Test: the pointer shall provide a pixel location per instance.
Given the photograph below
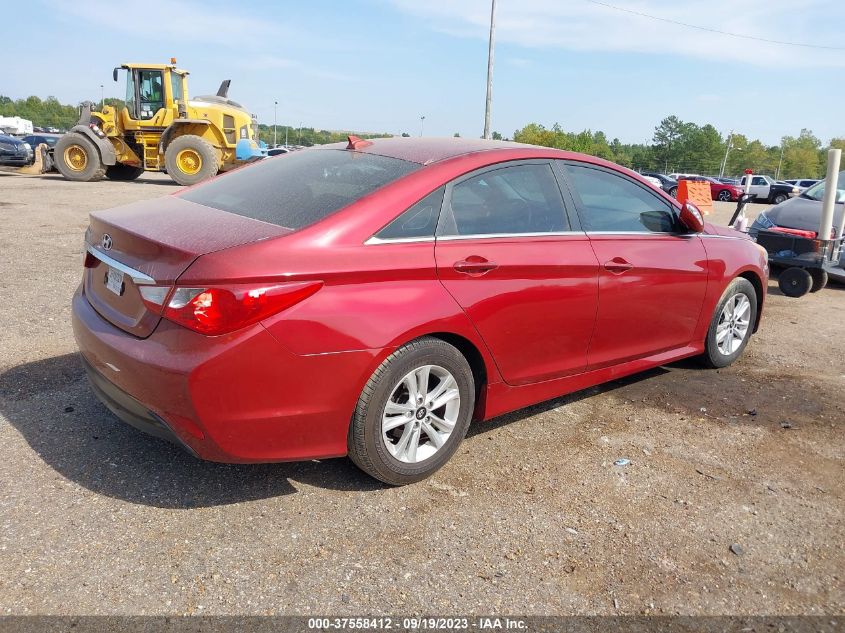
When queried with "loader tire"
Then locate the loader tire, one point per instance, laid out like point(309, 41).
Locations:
point(123, 172)
point(190, 159)
point(77, 158)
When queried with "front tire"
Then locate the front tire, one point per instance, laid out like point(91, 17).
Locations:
point(724, 196)
point(674, 192)
point(413, 413)
point(77, 158)
point(190, 159)
point(795, 282)
point(123, 172)
point(731, 325)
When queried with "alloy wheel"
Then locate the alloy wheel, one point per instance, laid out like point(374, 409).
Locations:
point(734, 323)
point(420, 414)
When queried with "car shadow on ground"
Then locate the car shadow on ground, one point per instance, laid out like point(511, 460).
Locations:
point(50, 403)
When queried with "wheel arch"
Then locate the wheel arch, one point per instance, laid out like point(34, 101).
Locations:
point(757, 282)
point(103, 145)
point(473, 355)
point(181, 127)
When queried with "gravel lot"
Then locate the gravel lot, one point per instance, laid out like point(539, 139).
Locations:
point(530, 517)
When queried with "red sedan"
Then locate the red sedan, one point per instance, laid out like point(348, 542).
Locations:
point(372, 299)
point(718, 190)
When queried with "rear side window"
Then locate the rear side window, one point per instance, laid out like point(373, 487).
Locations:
point(419, 221)
point(298, 189)
point(512, 200)
point(611, 203)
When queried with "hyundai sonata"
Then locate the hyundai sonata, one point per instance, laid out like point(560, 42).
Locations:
point(371, 299)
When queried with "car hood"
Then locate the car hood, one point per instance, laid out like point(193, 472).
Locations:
point(802, 213)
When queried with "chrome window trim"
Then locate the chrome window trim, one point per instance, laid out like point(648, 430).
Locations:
point(484, 236)
point(137, 276)
point(723, 237)
point(397, 240)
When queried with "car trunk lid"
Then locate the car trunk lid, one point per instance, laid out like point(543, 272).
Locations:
point(152, 243)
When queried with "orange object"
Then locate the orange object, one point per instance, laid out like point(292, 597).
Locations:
point(696, 192)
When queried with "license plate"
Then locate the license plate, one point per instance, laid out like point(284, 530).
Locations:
point(114, 281)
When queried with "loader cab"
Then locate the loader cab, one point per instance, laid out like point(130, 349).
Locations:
point(151, 90)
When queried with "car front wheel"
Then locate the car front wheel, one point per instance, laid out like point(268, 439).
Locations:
point(413, 413)
point(731, 325)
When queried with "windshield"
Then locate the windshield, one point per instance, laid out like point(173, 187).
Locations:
point(300, 188)
point(816, 192)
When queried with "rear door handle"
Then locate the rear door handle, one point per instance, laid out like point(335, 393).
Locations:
point(618, 265)
point(474, 265)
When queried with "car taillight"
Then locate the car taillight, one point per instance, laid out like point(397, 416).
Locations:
point(220, 310)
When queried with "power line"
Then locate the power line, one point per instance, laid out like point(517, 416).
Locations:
point(709, 30)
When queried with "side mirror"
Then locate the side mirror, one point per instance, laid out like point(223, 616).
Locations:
point(114, 74)
point(746, 197)
point(692, 218)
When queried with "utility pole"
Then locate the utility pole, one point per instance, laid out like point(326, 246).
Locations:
point(299, 138)
point(727, 149)
point(275, 108)
point(422, 123)
point(780, 162)
point(287, 127)
point(489, 104)
point(102, 97)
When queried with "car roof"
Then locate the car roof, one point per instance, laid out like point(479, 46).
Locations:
point(431, 150)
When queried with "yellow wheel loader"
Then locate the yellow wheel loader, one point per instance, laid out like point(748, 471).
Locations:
point(160, 129)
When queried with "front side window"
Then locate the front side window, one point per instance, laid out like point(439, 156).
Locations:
point(298, 189)
point(611, 203)
point(176, 86)
point(759, 181)
point(512, 200)
point(130, 93)
point(419, 221)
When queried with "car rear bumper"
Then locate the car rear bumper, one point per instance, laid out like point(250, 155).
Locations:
point(239, 398)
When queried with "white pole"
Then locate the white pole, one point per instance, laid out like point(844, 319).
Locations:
point(489, 104)
point(275, 107)
point(780, 163)
point(834, 157)
point(727, 149)
point(422, 123)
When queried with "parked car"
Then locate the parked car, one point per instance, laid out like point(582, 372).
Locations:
point(766, 189)
point(14, 151)
point(669, 185)
point(275, 151)
point(802, 184)
point(49, 140)
point(718, 190)
point(371, 299)
point(803, 213)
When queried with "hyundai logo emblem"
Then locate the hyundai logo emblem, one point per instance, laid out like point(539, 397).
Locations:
point(106, 241)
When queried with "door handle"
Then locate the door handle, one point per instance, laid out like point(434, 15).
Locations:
point(618, 265)
point(474, 265)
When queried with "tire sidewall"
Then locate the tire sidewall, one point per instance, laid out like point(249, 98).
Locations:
point(714, 357)
point(94, 161)
point(432, 352)
point(210, 165)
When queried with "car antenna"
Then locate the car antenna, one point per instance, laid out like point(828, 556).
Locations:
point(357, 143)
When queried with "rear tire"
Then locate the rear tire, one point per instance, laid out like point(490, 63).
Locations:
point(778, 198)
point(732, 324)
point(190, 159)
point(123, 172)
point(77, 158)
point(673, 192)
point(795, 282)
point(820, 279)
point(387, 411)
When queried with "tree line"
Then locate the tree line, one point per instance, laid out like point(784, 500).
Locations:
point(677, 146)
point(683, 147)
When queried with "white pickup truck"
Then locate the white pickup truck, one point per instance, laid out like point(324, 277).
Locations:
point(766, 189)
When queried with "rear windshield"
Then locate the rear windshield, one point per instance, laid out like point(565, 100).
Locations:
point(300, 188)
